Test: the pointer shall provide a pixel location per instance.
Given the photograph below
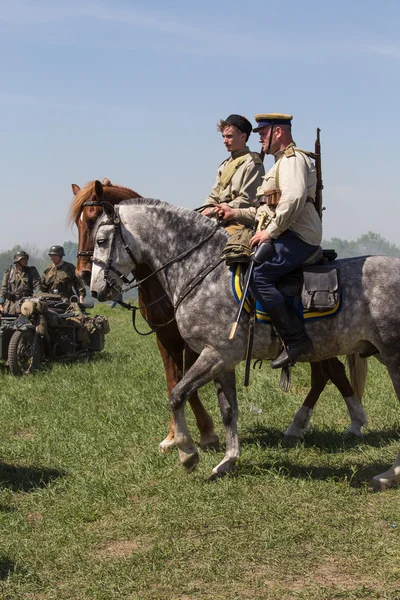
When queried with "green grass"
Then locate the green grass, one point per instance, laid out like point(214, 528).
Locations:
point(90, 509)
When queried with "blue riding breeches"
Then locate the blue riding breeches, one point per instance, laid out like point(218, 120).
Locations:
point(289, 253)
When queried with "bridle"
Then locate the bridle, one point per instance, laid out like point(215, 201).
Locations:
point(129, 285)
point(88, 253)
point(133, 283)
point(107, 265)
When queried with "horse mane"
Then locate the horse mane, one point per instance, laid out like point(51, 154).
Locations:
point(113, 193)
point(188, 213)
point(180, 211)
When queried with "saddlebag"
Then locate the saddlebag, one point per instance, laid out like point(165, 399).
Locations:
point(321, 288)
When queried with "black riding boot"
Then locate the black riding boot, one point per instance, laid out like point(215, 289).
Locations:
point(291, 330)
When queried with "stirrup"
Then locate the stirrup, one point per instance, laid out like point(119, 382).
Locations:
point(285, 360)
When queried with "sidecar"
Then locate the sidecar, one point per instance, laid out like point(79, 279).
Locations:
point(20, 347)
point(48, 328)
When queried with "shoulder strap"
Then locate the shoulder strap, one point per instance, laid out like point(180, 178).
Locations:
point(8, 273)
point(289, 152)
point(256, 158)
point(230, 170)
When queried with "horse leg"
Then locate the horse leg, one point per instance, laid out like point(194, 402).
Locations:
point(391, 477)
point(301, 420)
point(334, 370)
point(204, 422)
point(225, 384)
point(358, 372)
point(173, 365)
point(207, 367)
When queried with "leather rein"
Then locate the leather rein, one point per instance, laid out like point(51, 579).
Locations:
point(131, 284)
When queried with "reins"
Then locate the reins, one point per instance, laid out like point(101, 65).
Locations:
point(173, 260)
point(129, 285)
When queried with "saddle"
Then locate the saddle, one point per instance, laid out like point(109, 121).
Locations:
point(313, 289)
point(315, 283)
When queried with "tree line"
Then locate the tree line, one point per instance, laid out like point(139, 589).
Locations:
point(368, 243)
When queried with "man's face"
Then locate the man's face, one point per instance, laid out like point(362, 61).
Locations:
point(55, 259)
point(23, 262)
point(265, 133)
point(234, 139)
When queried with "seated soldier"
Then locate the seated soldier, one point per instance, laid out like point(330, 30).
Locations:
point(238, 178)
point(61, 278)
point(292, 228)
point(18, 282)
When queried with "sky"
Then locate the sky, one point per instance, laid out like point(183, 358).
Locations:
point(132, 91)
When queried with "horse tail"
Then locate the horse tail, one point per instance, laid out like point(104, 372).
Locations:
point(358, 368)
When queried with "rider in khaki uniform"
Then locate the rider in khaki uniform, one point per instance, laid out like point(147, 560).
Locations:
point(18, 282)
point(238, 178)
point(61, 278)
point(292, 228)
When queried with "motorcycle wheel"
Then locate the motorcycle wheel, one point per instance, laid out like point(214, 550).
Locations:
point(20, 358)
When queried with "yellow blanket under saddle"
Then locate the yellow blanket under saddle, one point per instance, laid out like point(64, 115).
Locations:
point(262, 316)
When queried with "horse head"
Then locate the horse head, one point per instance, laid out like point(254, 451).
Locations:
point(110, 249)
point(86, 208)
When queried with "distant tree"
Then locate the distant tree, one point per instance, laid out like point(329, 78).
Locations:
point(6, 258)
point(70, 249)
point(366, 244)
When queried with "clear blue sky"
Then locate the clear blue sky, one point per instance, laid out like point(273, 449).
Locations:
point(132, 91)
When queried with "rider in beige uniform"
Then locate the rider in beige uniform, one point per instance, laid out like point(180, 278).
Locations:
point(237, 181)
point(292, 228)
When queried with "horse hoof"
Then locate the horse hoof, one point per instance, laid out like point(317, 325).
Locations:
point(189, 459)
point(211, 441)
point(166, 445)
point(383, 482)
point(223, 468)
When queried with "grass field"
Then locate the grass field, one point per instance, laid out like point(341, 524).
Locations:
point(90, 509)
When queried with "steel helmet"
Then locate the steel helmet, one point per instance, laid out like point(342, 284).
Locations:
point(59, 250)
point(20, 254)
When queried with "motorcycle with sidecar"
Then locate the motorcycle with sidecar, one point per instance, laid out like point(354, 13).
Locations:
point(47, 328)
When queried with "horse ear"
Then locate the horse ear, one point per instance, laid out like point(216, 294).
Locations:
point(108, 209)
point(98, 190)
point(75, 188)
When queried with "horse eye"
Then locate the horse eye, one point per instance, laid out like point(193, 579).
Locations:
point(101, 241)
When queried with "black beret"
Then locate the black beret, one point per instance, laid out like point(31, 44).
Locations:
point(240, 122)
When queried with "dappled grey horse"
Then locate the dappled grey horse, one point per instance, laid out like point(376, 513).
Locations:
point(181, 245)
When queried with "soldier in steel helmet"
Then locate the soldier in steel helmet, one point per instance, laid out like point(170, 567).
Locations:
point(18, 282)
point(292, 228)
point(238, 178)
point(61, 278)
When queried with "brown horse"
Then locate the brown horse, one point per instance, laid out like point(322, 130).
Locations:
point(177, 357)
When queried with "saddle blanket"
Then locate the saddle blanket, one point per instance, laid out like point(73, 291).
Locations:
point(263, 317)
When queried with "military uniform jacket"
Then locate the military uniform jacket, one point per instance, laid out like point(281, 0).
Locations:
point(18, 284)
point(237, 181)
point(297, 181)
point(62, 279)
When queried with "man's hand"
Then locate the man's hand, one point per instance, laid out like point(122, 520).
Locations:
point(259, 237)
point(225, 212)
point(208, 212)
point(1, 308)
point(81, 299)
